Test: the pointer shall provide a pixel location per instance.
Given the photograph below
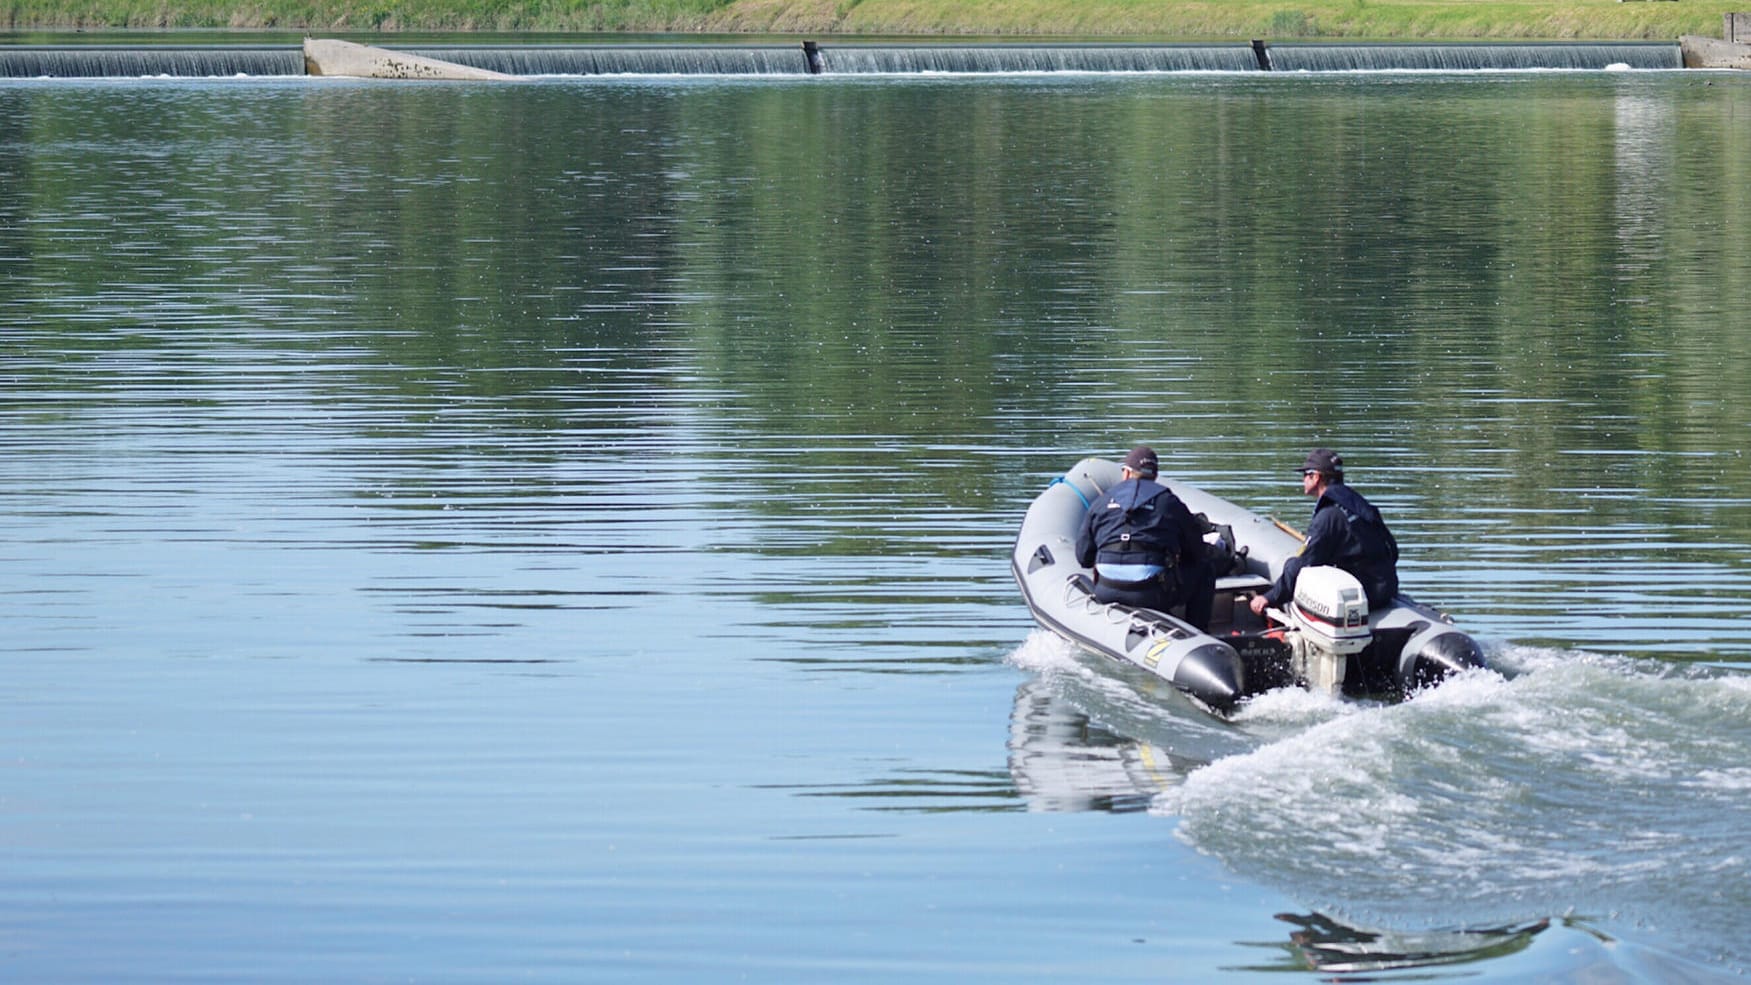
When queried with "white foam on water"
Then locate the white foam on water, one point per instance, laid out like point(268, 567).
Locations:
point(1726, 780)
point(1579, 782)
point(1293, 706)
point(1044, 652)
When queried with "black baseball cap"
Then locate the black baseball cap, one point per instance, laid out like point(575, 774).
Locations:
point(1142, 461)
point(1323, 460)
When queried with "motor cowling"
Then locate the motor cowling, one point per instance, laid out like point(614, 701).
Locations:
point(1329, 616)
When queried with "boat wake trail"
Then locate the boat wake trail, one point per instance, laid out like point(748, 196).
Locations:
point(1601, 786)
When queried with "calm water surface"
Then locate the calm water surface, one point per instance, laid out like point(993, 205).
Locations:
point(559, 531)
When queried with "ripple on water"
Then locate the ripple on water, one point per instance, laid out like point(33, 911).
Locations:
point(1588, 784)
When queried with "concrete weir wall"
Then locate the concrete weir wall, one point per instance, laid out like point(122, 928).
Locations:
point(330, 57)
point(1732, 52)
point(346, 58)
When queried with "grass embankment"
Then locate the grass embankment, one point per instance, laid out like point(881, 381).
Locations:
point(1130, 19)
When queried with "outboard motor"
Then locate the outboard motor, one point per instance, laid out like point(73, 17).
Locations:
point(1330, 620)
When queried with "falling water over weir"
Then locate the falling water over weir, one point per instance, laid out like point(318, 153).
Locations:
point(88, 61)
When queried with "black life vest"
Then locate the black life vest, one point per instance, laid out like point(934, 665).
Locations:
point(1137, 522)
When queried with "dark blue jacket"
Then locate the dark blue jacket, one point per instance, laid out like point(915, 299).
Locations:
point(1346, 532)
point(1162, 531)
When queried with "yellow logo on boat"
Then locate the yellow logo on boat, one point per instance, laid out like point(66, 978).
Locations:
point(1155, 653)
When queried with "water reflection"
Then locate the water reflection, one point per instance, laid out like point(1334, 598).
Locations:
point(1645, 141)
point(1063, 761)
point(1323, 944)
point(919, 791)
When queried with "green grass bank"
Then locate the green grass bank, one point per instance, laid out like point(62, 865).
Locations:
point(1163, 20)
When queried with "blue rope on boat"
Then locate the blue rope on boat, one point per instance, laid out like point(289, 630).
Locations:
point(1085, 503)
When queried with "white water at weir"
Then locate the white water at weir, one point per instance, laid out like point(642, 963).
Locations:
point(1469, 57)
point(628, 59)
point(115, 61)
point(74, 61)
point(862, 60)
point(1560, 784)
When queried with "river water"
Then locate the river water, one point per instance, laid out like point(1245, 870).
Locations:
point(559, 531)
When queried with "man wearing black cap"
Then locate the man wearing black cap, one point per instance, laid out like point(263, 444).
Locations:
point(1144, 546)
point(1346, 531)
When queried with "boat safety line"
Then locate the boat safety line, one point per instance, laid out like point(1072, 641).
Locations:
point(1090, 604)
point(1072, 594)
point(1085, 503)
point(1116, 614)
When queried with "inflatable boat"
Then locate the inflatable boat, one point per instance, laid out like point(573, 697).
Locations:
point(1326, 639)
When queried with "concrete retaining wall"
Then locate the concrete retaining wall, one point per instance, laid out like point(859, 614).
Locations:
point(1738, 28)
point(330, 57)
point(1700, 52)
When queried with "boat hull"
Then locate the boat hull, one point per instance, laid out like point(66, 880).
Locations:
point(1241, 655)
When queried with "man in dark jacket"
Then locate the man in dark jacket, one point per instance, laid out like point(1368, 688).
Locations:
point(1346, 532)
point(1145, 547)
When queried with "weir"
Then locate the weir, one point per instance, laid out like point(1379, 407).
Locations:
point(129, 62)
point(627, 59)
point(1470, 57)
point(196, 61)
point(862, 60)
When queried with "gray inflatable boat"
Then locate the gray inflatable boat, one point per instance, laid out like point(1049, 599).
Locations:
point(1326, 639)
